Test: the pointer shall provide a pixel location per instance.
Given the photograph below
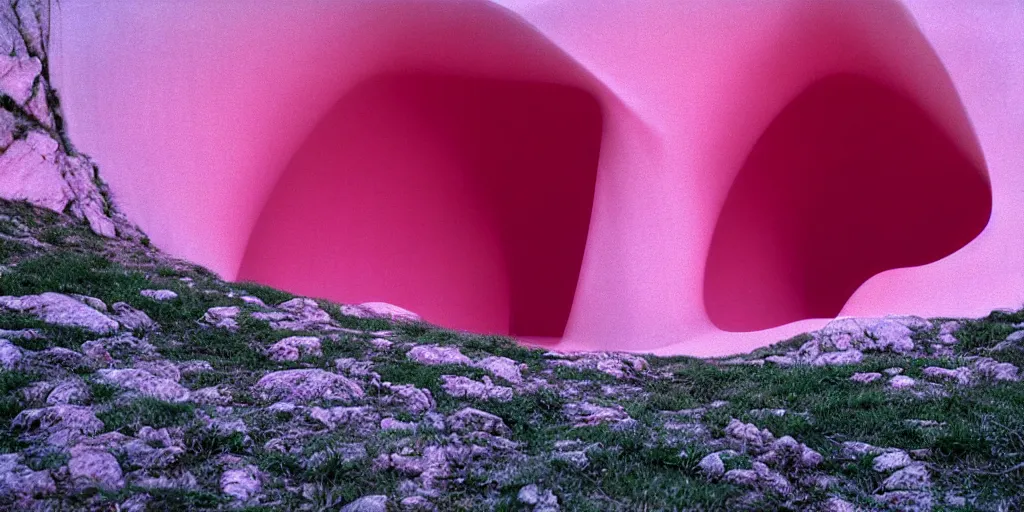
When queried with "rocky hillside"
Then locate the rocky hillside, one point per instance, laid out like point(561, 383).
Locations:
point(132, 381)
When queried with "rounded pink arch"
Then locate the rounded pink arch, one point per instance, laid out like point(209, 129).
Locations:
point(688, 94)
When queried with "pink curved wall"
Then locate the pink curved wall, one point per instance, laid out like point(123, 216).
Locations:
point(216, 125)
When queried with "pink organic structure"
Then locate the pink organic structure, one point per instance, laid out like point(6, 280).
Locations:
point(695, 177)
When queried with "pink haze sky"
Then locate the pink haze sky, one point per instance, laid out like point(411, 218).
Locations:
point(683, 177)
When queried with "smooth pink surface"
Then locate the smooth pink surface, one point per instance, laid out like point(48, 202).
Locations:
point(198, 113)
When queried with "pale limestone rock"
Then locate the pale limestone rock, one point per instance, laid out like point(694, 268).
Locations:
point(293, 348)
point(989, 368)
point(161, 368)
point(145, 383)
point(413, 399)
point(375, 503)
point(393, 424)
point(307, 384)
point(961, 375)
point(912, 477)
point(748, 433)
point(865, 378)
point(306, 310)
point(851, 356)
point(901, 382)
point(212, 395)
point(10, 355)
point(379, 310)
point(60, 309)
point(435, 355)
point(584, 414)
point(62, 425)
point(159, 295)
point(334, 417)
point(474, 420)
point(712, 465)
point(222, 316)
point(19, 481)
point(69, 392)
point(891, 461)
point(242, 484)
point(91, 468)
point(541, 501)
point(131, 318)
point(906, 501)
point(464, 387)
point(503, 367)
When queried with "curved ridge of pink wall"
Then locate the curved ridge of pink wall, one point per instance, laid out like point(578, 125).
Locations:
point(687, 88)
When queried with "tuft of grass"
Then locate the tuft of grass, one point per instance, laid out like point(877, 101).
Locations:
point(139, 412)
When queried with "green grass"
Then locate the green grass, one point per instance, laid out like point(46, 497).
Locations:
point(128, 417)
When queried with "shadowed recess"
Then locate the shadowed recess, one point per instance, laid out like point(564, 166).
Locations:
point(849, 180)
point(464, 199)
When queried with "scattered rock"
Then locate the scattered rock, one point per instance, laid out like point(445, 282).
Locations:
point(989, 368)
point(145, 383)
point(375, 503)
point(901, 382)
point(435, 355)
point(294, 347)
point(912, 477)
point(10, 355)
point(334, 417)
point(464, 387)
point(409, 397)
point(72, 391)
point(61, 424)
point(891, 461)
point(712, 465)
point(161, 368)
point(542, 501)
point(91, 468)
point(865, 378)
point(213, 395)
point(851, 356)
point(618, 365)
point(242, 484)
point(58, 309)
point(586, 414)
point(18, 481)
point(961, 375)
point(835, 504)
point(906, 501)
point(222, 316)
point(304, 385)
point(474, 420)
point(159, 295)
point(131, 318)
point(503, 367)
point(379, 310)
point(748, 433)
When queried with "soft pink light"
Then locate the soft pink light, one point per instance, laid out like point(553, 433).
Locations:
point(217, 124)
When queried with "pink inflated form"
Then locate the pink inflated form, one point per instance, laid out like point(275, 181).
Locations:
point(696, 177)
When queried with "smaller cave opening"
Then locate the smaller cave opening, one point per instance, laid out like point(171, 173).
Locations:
point(465, 199)
point(850, 179)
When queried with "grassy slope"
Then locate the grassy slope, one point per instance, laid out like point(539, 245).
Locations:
point(976, 454)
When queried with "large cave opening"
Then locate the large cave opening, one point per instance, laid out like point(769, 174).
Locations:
point(850, 179)
point(466, 199)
